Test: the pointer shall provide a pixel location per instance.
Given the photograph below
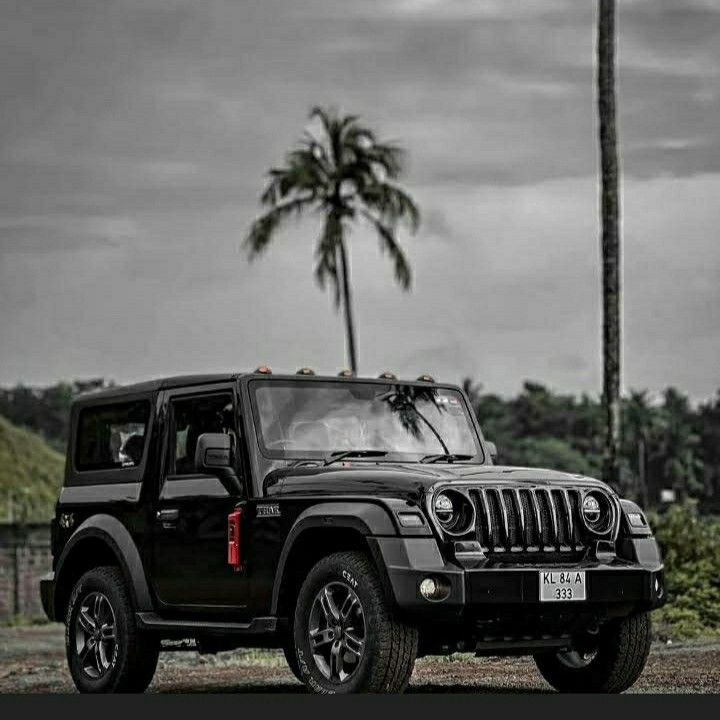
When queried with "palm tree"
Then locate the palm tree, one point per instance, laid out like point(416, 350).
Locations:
point(610, 211)
point(344, 174)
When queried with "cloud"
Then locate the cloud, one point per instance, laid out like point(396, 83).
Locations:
point(136, 136)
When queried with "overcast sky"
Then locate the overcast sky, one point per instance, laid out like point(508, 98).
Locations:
point(134, 138)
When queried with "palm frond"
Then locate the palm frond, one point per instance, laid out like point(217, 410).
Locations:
point(262, 230)
point(305, 172)
point(389, 243)
point(392, 204)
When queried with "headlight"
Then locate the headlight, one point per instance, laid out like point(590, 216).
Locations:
point(598, 512)
point(454, 512)
point(443, 509)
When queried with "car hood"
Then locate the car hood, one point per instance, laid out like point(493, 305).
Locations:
point(407, 480)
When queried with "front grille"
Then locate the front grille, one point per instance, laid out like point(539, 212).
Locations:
point(528, 519)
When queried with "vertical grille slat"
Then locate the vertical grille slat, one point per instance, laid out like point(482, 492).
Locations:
point(530, 522)
point(575, 509)
point(567, 508)
point(521, 519)
point(490, 524)
point(514, 538)
point(538, 518)
point(555, 538)
point(504, 517)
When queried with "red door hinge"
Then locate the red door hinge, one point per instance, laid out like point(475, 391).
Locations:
point(233, 549)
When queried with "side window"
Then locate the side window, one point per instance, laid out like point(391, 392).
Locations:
point(111, 437)
point(191, 417)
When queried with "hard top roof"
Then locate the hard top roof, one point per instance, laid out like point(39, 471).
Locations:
point(151, 386)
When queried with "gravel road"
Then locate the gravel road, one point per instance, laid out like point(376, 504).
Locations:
point(32, 661)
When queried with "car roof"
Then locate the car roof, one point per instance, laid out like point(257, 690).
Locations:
point(150, 386)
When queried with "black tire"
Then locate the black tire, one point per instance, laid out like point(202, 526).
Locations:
point(124, 664)
point(387, 654)
point(622, 650)
point(291, 658)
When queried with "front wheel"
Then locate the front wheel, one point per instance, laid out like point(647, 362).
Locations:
point(347, 638)
point(105, 650)
point(611, 667)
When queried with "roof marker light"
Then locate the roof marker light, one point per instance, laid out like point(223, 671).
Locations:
point(345, 373)
point(305, 371)
point(426, 378)
point(264, 370)
point(387, 376)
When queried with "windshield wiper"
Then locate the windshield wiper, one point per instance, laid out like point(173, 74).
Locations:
point(447, 457)
point(341, 454)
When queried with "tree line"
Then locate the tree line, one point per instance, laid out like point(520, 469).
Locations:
point(667, 443)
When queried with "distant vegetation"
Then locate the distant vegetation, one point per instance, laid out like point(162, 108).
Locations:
point(30, 474)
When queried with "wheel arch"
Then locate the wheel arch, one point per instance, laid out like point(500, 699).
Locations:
point(323, 529)
point(100, 540)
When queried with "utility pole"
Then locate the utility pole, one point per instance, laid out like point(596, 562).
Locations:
point(610, 240)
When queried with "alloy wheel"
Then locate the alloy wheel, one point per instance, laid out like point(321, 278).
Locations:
point(95, 634)
point(337, 631)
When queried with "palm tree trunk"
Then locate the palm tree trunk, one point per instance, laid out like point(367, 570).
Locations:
point(610, 237)
point(347, 302)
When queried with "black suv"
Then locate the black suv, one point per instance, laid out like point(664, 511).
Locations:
point(355, 523)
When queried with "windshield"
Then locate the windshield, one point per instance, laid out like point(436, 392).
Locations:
point(313, 419)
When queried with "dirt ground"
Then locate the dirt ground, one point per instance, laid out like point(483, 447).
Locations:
point(32, 661)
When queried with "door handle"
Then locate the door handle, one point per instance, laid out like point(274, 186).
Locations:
point(168, 517)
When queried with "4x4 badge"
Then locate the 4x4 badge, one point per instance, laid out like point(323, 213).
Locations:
point(268, 510)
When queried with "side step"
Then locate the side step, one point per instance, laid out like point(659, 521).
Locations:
point(153, 622)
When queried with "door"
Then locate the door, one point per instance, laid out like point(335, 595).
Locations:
point(190, 568)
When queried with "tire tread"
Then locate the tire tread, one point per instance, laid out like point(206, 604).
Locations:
point(622, 654)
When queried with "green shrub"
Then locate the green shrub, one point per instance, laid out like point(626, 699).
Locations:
point(691, 549)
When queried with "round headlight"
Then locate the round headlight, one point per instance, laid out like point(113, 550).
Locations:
point(597, 512)
point(454, 512)
point(444, 508)
point(591, 509)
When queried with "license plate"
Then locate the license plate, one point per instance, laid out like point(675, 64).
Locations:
point(562, 585)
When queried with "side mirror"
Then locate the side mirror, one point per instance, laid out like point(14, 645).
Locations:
point(214, 456)
point(491, 448)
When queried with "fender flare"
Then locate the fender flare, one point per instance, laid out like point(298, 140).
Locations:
point(115, 535)
point(365, 517)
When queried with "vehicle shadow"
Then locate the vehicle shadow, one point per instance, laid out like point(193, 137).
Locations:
point(291, 688)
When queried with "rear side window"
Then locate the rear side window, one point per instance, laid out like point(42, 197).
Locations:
point(111, 437)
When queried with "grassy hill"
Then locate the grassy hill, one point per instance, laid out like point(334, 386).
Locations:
point(30, 471)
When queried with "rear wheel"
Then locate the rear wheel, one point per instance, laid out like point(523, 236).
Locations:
point(347, 638)
point(105, 650)
point(612, 666)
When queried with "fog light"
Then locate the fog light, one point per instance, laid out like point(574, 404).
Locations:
point(428, 588)
point(434, 589)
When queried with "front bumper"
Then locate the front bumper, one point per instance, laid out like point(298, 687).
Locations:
point(615, 586)
point(47, 594)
